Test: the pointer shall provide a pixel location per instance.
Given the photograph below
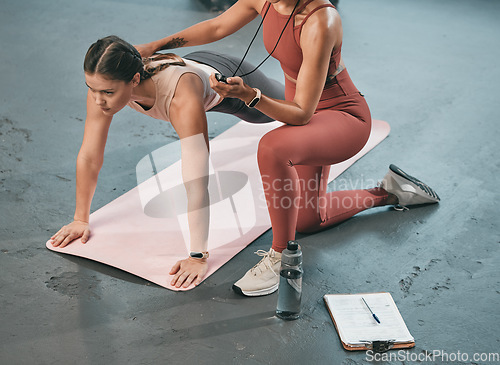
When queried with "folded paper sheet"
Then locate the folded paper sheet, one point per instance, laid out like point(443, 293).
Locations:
point(145, 231)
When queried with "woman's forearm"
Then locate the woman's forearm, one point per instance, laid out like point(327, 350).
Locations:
point(211, 30)
point(287, 112)
point(86, 182)
point(195, 174)
point(201, 33)
point(198, 213)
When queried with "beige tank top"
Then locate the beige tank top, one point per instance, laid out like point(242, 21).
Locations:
point(166, 83)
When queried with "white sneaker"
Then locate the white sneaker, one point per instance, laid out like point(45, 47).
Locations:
point(263, 278)
point(409, 190)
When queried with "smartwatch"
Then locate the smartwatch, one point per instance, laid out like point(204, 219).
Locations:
point(199, 255)
point(255, 100)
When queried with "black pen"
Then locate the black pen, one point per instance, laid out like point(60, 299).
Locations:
point(373, 314)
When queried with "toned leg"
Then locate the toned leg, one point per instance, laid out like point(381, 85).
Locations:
point(294, 164)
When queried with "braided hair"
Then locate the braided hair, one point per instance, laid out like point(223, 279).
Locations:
point(119, 60)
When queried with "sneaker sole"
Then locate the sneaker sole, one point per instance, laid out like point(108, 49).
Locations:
point(424, 188)
point(255, 293)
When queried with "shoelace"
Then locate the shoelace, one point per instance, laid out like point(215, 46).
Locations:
point(265, 255)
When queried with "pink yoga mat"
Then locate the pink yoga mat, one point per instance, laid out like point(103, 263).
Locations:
point(144, 231)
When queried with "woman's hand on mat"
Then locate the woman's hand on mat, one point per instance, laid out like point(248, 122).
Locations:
point(71, 232)
point(188, 271)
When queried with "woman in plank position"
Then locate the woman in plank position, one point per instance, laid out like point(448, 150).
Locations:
point(327, 121)
point(165, 87)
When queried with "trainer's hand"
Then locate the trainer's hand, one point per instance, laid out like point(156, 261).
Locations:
point(188, 271)
point(146, 49)
point(71, 232)
point(234, 88)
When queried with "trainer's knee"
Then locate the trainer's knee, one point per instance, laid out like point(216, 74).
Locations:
point(272, 147)
point(265, 146)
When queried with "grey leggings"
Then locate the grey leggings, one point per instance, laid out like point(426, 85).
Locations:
point(226, 65)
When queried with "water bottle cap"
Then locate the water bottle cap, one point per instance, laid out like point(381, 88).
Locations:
point(292, 255)
point(292, 246)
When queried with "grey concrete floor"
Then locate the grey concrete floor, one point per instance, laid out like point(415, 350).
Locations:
point(429, 68)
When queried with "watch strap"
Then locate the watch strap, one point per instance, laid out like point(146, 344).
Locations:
point(199, 255)
point(255, 100)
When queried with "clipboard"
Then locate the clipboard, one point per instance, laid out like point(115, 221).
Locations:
point(357, 328)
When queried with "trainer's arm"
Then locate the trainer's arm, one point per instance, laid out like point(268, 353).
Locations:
point(319, 35)
point(88, 164)
point(188, 117)
point(208, 31)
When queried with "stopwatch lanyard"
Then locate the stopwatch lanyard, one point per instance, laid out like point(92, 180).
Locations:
point(255, 35)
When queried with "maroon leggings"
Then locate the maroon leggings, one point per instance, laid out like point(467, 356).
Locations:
point(294, 162)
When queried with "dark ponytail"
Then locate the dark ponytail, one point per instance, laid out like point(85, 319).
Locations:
point(119, 60)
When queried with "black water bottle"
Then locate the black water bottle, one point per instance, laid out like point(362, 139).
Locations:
point(290, 287)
